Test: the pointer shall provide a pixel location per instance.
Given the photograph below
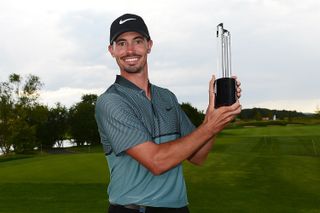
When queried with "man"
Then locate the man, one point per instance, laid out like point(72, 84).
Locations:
point(145, 134)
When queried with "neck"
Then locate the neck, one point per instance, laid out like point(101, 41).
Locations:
point(141, 80)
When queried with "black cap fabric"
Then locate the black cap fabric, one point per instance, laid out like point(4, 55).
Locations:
point(127, 23)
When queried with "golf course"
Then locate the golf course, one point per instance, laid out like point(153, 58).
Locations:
point(250, 169)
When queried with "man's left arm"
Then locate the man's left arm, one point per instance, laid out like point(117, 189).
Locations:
point(200, 156)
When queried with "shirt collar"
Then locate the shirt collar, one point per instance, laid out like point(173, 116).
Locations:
point(126, 83)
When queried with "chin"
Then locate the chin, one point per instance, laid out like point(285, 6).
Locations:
point(133, 69)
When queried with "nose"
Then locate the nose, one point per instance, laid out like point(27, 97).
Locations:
point(130, 47)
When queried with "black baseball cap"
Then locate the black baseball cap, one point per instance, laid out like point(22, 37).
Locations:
point(127, 23)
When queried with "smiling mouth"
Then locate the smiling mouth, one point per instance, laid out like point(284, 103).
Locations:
point(131, 59)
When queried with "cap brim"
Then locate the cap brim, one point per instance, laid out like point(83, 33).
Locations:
point(127, 30)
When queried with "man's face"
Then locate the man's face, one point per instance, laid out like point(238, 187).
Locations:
point(130, 50)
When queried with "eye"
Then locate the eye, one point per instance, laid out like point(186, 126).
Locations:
point(138, 41)
point(121, 44)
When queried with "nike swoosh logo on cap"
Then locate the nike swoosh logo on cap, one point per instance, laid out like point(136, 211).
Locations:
point(128, 19)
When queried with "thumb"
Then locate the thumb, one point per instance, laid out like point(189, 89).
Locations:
point(212, 92)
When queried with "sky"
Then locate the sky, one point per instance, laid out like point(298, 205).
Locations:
point(275, 47)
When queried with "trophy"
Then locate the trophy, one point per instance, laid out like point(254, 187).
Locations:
point(225, 86)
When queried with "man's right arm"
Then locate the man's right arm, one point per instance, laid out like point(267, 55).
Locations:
point(159, 158)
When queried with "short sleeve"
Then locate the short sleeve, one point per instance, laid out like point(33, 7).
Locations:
point(118, 125)
point(186, 126)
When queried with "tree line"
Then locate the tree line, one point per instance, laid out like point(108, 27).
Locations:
point(263, 113)
point(26, 125)
point(256, 114)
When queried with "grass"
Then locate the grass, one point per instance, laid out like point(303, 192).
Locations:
point(265, 169)
point(260, 169)
point(255, 183)
point(54, 183)
point(52, 197)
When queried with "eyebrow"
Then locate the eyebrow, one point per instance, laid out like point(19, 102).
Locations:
point(122, 39)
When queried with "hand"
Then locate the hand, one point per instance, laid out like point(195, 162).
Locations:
point(238, 84)
point(216, 119)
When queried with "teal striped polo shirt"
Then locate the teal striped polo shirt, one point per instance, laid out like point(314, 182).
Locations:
point(126, 118)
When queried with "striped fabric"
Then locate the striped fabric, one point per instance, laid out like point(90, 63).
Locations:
point(126, 118)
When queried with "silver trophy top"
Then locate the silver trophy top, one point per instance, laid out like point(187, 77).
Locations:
point(224, 51)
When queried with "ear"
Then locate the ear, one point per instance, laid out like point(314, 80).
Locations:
point(110, 49)
point(150, 43)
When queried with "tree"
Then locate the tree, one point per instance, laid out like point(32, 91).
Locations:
point(317, 112)
point(51, 124)
point(57, 124)
point(23, 137)
point(6, 115)
point(193, 113)
point(38, 117)
point(83, 127)
point(17, 99)
point(257, 114)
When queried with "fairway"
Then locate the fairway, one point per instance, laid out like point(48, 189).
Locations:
point(54, 183)
point(266, 169)
point(256, 169)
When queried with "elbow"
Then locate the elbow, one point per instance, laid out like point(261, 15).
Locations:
point(198, 162)
point(158, 167)
point(156, 170)
point(157, 161)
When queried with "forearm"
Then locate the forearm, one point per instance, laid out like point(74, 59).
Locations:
point(196, 145)
point(159, 158)
point(199, 156)
point(172, 153)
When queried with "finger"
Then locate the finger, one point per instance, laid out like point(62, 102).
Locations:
point(237, 81)
point(239, 90)
point(232, 112)
point(232, 109)
point(238, 84)
point(235, 105)
point(237, 108)
point(212, 92)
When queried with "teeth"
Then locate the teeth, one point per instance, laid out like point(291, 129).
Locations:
point(131, 59)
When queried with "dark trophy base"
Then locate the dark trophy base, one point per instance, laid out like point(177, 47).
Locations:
point(225, 92)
